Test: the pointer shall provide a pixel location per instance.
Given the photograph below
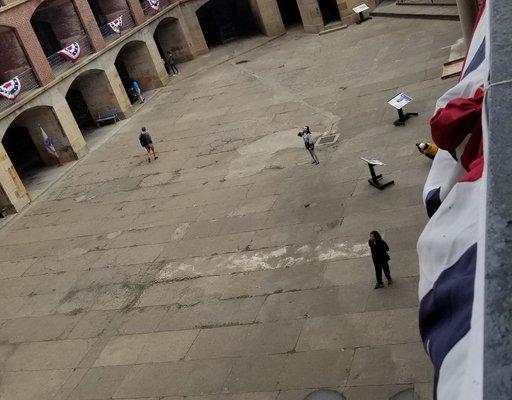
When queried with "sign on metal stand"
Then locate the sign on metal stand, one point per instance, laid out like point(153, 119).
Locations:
point(376, 180)
point(360, 9)
point(399, 102)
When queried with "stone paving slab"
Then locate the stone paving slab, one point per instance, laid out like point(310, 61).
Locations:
point(231, 268)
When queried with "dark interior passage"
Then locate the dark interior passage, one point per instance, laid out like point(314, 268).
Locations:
point(80, 109)
point(122, 70)
point(329, 10)
point(289, 12)
point(224, 20)
point(21, 150)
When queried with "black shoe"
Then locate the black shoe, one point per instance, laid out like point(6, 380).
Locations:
point(149, 160)
point(379, 285)
point(313, 162)
point(390, 282)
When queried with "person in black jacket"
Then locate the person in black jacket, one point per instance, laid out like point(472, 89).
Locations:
point(380, 258)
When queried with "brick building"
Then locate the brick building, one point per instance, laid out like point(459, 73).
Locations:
point(64, 98)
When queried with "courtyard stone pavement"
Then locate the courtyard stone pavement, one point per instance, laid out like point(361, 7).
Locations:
point(232, 268)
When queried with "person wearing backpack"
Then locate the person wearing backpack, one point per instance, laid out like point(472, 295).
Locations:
point(146, 142)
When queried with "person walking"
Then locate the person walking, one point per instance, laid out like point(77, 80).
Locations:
point(309, 142)
point(146, 142)
point(172, 64)
point(380, 257)
point(137, 90)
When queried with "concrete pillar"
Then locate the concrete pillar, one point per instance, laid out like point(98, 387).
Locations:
point(13, 194)
point(120, 99)
point(468, 10)
point(137, 12)
point(268, 16)
point(70, 131)
point(192, 29)
point(311, 15)
point(89, 24)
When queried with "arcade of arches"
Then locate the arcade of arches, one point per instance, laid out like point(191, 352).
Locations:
point(186, 33)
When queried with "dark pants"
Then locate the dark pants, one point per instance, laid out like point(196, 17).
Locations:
point(379, 267)
point(174, 70)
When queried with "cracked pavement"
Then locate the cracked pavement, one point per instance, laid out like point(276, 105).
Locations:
point(232, 268)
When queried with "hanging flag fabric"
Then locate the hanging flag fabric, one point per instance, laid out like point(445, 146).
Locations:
point(450, 248)
point(71, 52)
point(155, 5)
point(48, 143)
point(117, 24)
point(11, 89)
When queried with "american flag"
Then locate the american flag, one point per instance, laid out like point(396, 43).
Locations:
point(450, 249)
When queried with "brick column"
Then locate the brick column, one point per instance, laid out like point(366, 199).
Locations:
point(137, 12)
point(268, 16)
point(89, 24)
point(35, 55)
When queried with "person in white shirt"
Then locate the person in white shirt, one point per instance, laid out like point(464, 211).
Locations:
point(309, 142)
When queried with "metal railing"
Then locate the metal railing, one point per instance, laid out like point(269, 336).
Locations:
point(28, 82)
point(148, 10)
point(59, 65)
point(128, 24)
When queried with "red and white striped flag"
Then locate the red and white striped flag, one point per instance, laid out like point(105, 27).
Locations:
point(451, 247)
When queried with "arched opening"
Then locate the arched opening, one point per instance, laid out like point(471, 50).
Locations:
point(106, 11)
point(90, 97)
point(57, 25)
point(24, 143)
point(330, 11)
point(14, 63)
point(169, 37)
point(134, 62)
point(225, 20)
point(289, 12)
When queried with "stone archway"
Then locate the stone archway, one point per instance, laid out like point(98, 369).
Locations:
point(223, 21)
point(135, 61)
point(23, 153)
point(57, 24)
point(14, 63)
point(169, 36)
point(93, 92)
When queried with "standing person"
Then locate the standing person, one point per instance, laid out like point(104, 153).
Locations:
point(380, 258)
point(172, 64)
point(137, 91)
point(309, 143)
point(146, 142)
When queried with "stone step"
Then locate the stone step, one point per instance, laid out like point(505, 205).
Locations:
point(332, 27)
point(436, 11)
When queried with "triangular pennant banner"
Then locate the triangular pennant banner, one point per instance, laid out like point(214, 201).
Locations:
point(71, 52)
point(117, 25)
point(154, 4)
point(11, 89)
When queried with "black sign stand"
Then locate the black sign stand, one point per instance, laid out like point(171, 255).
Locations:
point(402, 117)
point(362, 18)
point(376, 180)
